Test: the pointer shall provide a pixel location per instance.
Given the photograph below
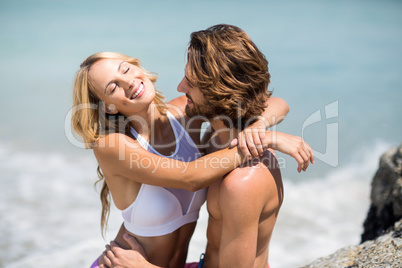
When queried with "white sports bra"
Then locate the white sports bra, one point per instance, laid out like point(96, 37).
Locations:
point(159, 210)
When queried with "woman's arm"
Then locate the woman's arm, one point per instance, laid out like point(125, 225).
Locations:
point(120, 156)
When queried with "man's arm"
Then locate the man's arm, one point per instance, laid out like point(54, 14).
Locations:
point(275, 111)
point(241, 202)
point(251, 141)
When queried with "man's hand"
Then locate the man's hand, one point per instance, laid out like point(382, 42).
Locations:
point(116, 257)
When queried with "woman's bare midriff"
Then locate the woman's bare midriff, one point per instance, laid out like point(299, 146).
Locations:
point(166, 251)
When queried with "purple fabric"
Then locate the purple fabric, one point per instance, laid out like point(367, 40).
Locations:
point(191, 265)
point(95, 264)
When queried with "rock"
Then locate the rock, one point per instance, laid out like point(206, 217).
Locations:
point(385, 251)
point(381, 244)
point(386, 195)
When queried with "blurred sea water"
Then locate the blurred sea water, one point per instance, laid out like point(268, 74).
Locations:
point(337, 64)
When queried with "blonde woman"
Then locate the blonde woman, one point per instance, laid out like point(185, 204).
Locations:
point(150, 165)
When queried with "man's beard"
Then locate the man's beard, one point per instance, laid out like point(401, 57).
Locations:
point(203, 110)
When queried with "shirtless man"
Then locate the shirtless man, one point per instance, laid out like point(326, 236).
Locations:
point(226, 80)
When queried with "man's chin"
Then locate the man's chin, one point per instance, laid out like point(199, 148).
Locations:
point(192, 111)
point(188, 110)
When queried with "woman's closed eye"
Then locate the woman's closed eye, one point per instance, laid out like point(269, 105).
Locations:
point(113, 89)
point(125, 70)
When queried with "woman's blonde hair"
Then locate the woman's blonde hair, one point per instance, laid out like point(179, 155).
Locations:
point(90, 121)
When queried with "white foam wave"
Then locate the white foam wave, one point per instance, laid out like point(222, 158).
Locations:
point(50, 211)
point(322, 215)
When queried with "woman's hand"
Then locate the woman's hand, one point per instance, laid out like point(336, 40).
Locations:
point(293, 146)
point(116, 257)
point(252, 141)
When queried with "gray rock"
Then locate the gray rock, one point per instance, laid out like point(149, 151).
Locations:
point(385, 251)
point(386, 195)
point(382, 237)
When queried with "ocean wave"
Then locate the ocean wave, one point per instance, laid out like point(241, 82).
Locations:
point(49, 208)
point(323, 214)
point(51, 212)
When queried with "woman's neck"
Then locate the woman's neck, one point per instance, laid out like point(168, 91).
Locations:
point(148, 123)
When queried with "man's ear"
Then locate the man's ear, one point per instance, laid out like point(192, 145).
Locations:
point(111, 109)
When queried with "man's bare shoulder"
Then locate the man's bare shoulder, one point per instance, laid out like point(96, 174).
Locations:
point(245, 179)
point(177, 106)
point(255, 175)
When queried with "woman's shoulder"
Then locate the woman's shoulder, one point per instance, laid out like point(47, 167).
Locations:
point(113, 141)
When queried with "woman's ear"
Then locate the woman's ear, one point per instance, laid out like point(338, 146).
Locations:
point(111, 109)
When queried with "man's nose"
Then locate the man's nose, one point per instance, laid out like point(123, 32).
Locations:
point(181, 87)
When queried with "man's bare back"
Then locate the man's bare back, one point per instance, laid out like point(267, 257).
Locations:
point(243, 208)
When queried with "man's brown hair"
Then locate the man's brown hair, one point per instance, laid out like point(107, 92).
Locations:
point(230, 71)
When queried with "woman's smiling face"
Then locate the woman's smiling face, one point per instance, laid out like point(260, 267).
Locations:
point(121, 84)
